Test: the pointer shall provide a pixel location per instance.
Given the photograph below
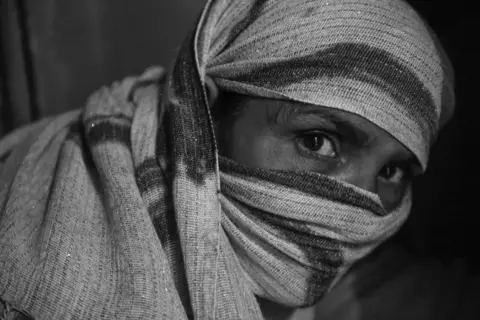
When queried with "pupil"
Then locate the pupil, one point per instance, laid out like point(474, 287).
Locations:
point(313, 143)
point(388, 171)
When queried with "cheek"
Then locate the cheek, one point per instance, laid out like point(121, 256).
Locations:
point(391, 195)
point(255, 150)
point(244, 144)
point(262, 148)
point(252, 142)
point(271, 152)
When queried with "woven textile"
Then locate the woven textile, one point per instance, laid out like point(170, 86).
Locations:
point(125, 210)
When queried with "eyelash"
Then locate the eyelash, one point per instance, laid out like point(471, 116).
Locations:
point(332, 137)
point(406, 168)
point(336, 140)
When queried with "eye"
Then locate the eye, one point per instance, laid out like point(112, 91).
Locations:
point(318, 143)
point(394, 173)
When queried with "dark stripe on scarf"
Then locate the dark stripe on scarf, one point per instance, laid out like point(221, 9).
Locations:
point(307, 182)
point(105, 118)
point(322, 253)
point(359, 62)
point(190, 133)
point(242, 25)
point(163, 149)
point(108, 132)
point(295, 230)
point(75, 133)
point(150, 177)
point(324, 256)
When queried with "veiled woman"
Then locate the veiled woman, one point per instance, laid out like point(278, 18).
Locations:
point(244, 183)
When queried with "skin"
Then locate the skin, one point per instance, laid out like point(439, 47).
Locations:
point(273, 134)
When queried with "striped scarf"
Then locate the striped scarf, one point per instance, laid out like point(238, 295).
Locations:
point(125, 210)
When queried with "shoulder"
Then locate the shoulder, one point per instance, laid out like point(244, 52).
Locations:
point(32, 141)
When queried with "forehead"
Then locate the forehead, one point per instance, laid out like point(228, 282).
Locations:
point(283, 113)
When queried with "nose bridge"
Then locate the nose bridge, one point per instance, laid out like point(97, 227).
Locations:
point(362, 174)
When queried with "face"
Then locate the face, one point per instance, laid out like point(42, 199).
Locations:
point(273, 134)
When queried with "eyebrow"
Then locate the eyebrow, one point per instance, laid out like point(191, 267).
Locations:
point(346, 127)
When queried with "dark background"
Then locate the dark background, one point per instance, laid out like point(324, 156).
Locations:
point(53, 53)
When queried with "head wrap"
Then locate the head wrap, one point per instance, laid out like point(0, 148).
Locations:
point(130, 212)
point(377, 59)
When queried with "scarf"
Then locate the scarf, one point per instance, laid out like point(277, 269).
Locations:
point(125, 210)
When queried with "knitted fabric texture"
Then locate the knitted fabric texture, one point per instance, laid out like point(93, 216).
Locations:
point(124, 209)
point(374, 58)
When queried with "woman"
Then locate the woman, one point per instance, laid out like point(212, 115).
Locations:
point(276, 154)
